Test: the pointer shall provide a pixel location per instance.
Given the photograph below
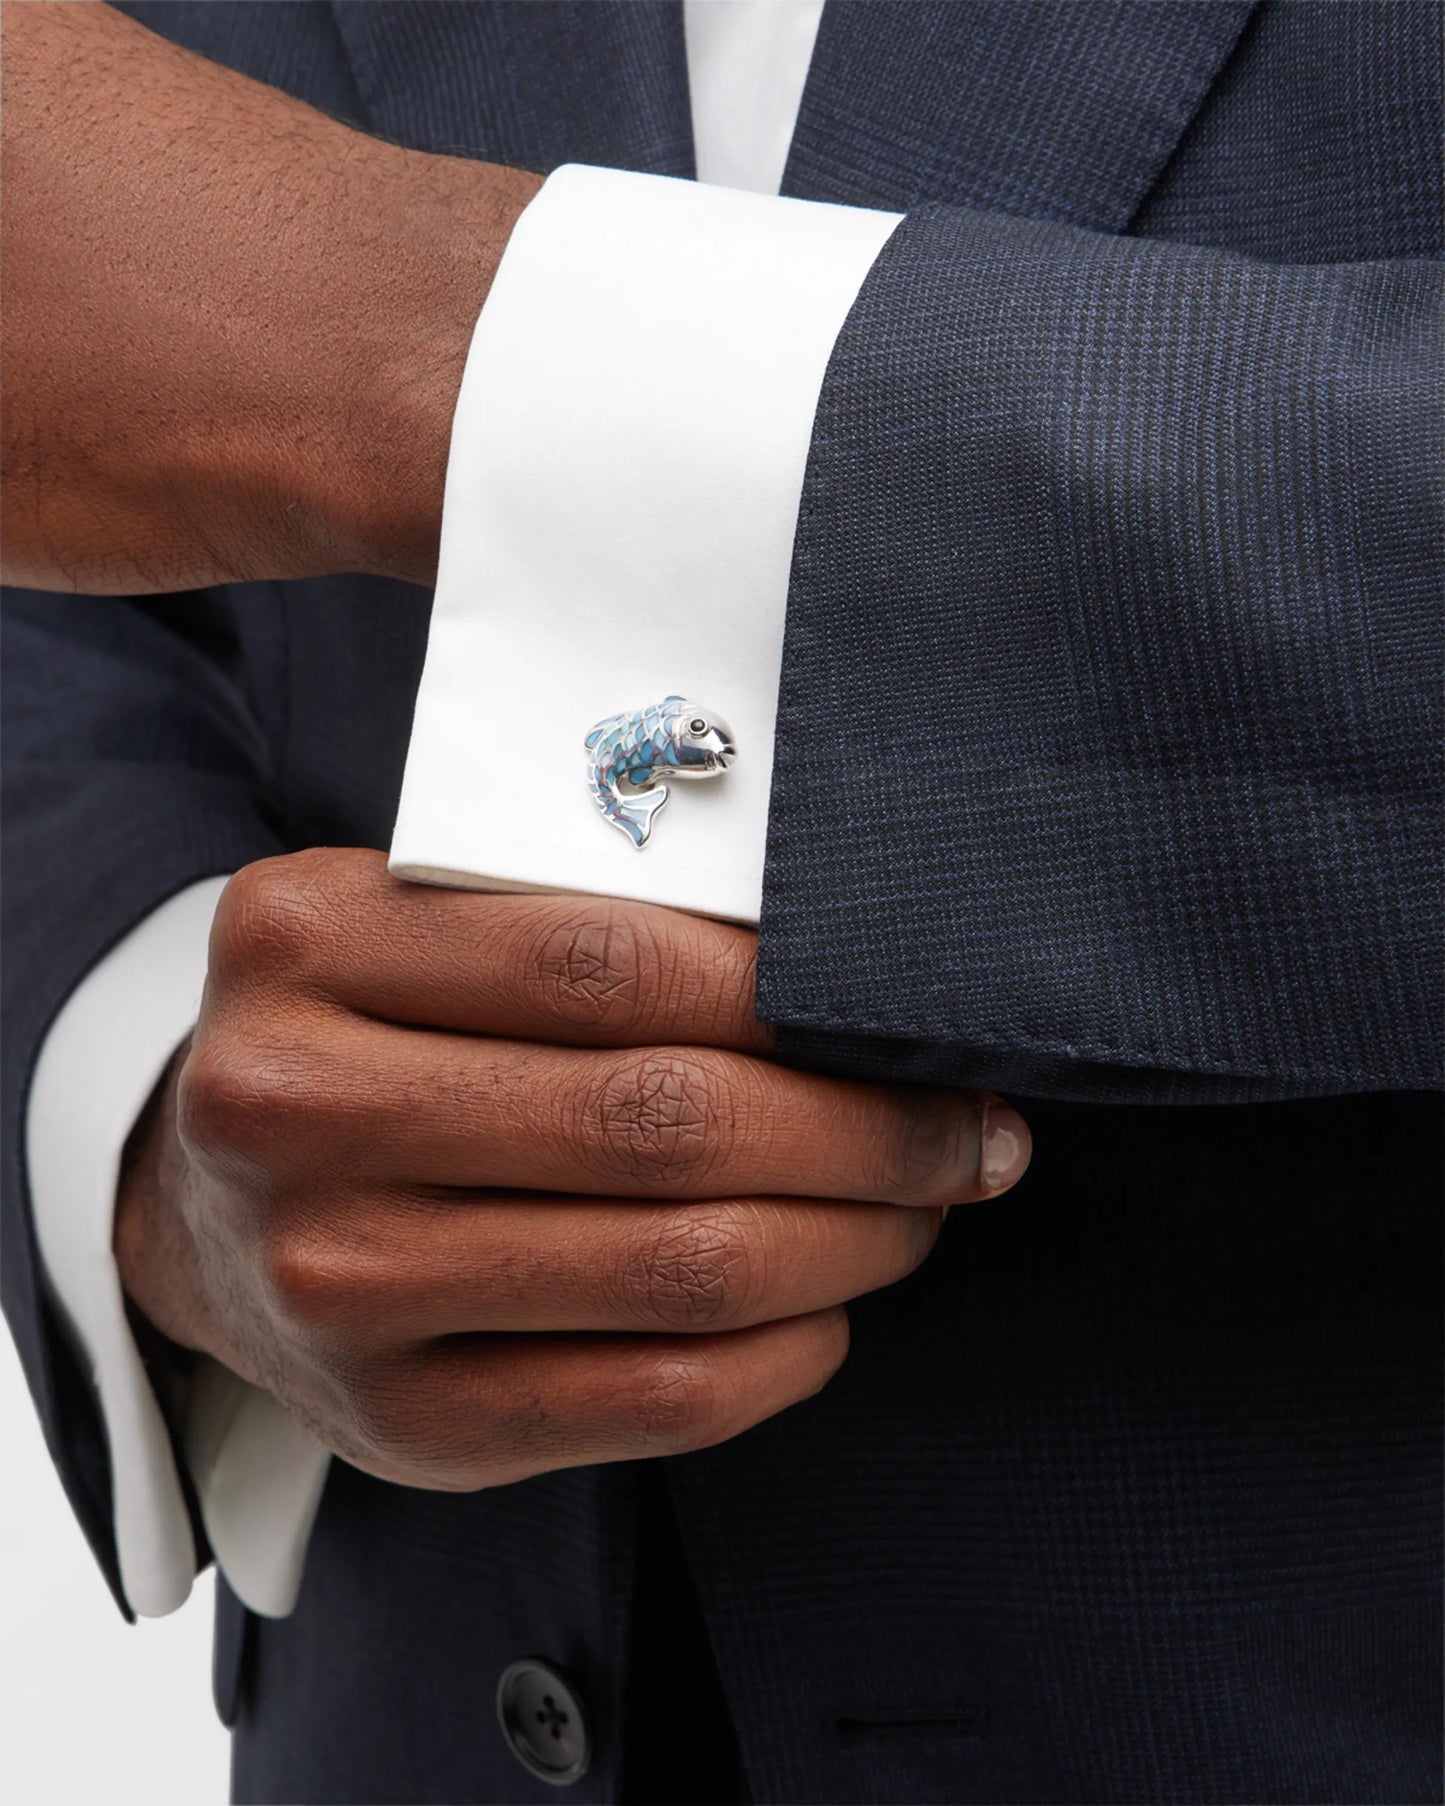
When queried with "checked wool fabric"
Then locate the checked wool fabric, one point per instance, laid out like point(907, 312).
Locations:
point(1105, 776)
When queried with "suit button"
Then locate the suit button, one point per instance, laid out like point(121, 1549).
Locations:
point(542, 1721)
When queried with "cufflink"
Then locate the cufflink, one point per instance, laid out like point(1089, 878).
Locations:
point(632, 757)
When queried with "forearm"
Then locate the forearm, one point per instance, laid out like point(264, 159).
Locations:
point(235, 329)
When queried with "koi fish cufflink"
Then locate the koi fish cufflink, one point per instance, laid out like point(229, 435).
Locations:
point(633, 757)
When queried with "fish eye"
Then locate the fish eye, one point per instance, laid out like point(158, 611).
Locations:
point(697, 725)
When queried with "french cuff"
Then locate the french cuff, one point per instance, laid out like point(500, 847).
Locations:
point(626, 463)
point(257, 1475)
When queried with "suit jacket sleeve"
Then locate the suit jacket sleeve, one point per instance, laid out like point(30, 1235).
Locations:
point(1110, 703)
point(134, 765)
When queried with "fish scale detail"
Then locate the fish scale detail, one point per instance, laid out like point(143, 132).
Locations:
point(630, 754)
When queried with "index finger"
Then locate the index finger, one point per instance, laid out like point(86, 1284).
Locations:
point(578, 971)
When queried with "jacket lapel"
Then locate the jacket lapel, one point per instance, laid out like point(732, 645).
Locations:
point(1053, 109)
point(587, 81)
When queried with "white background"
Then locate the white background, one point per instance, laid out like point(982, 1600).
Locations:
point(92, 1709)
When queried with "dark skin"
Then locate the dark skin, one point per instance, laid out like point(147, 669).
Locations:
point(234, 329)
point(477, 1186)
point(421, 1139)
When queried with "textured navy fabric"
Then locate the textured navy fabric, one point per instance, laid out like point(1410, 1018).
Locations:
point(512, 82)
point(1120, 562)
point(1107, 698)
point(1119, 574)
point(1051, 110)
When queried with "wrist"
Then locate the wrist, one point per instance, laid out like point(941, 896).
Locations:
point(375, 467)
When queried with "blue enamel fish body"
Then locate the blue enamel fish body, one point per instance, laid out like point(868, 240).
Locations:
point(633, 756)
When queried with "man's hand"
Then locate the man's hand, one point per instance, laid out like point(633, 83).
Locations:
point(483, 1186)
point(234, 329)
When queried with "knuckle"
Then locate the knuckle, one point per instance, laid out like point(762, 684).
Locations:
point(219, 1101)
point(590, 965)
point(395, 1421)
point(272, 915)
point(677, 1405)
point(404, 1415)
point(664, 1116)
point(238, 1098)
point(309, 1280)
point(692, 1270)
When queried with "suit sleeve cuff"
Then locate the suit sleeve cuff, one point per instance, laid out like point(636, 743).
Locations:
point(626, 464)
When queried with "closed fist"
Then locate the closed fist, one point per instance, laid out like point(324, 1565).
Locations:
point(482, 1186)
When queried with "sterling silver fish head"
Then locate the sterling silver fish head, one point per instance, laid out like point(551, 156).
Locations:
point(705, 745)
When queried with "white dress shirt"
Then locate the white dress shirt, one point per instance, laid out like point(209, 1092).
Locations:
point(626, 463)
point(618, 527)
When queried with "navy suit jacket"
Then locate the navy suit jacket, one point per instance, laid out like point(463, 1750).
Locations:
point(1105, 775)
